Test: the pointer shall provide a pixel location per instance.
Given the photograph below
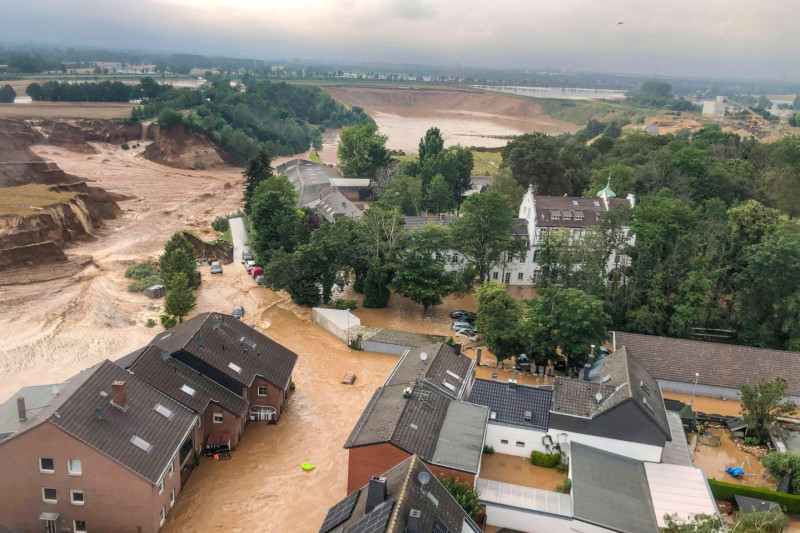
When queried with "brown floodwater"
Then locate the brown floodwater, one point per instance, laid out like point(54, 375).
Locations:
point(519, 471)
point(713, 460)
point(705, 404)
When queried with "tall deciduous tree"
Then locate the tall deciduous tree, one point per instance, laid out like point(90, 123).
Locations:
point(421, 273)
point(439, 196)
point(275, 218)
point(404, 192)
point(180, 299)
point(763, 404)
point(178, 258)
point(534, 160)
point(431, 144)
point(500, 321)
point(7, 94)
point(362, 151)
point(483, 232)
point(259, 169)
point(504, 183)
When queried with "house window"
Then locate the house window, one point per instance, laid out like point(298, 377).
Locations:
point(536, 255)
point(218, 418)
point(49, 496)
point(74, 467)
point(520, 444)
point(161, 487)
point(171, 469)
point(76, 496)
point(507, 278)
point(172, 498)
point(163, 515)
point(262, 391)
point(494, 275)
point(519, 276)
point(79, 526)
point(503, 441)
point(46, 465)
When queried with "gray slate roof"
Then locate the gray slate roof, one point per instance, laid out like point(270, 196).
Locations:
point(417, 222)
point(676, 451)
point(170, 375)
point(335, 205)
point(442, 365)
point(510, 404)
point(619, 378)
point(221, 346)
point(720, 365)
point(404, 491)
point(610, 490)
point(588, 209)
point(111, 436)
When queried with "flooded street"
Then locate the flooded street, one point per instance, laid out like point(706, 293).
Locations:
point(713, 460)
point(707, 405)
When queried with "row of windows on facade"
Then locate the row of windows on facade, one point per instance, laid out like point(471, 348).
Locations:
point(519, 442)
point(50, 495)
point(75, 468)
point(507, 278)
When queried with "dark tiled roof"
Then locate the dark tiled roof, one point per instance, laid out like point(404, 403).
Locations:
point(442, 365)
point(510, 405)
point(170, 375)
point(610, 490)
point(416, 222)
point(720, 365)
point(619, 378)
point(257, 355)
point(112, 435)
point(404, 493)
point(587, 208)
point(126, 361)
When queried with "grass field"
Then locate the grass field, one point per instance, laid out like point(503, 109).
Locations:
point(314, 156)
point(485, 163)
point(28, 200)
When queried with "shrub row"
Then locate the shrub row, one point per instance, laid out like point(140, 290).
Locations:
point(727, 491)
point(547, 460)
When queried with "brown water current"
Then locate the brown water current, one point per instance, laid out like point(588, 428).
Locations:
point(519, 471)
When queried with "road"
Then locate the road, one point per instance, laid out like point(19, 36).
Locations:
point(239, 235)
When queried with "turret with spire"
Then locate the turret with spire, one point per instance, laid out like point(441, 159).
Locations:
point(607, 193)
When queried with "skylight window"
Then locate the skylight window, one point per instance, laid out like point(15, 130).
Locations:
point(236, 368)
point(163, 411)
point(188, 390)
point(248, 342)
point(454, 375)
point(574, 202)
point(167, 336)
point(141, 444)
point(596, 203)
point(449, 386)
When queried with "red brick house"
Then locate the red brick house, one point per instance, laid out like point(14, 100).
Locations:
point(102, 452)
point(416, 413)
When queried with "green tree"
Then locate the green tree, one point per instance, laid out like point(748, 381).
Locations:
point(455, 165)
point(180, 299)
point(376, 286)
point(651, 94)
point(763, 404)
point(275, 218)
point(504, 183)
point(466, 496)
point(259, 168)
point(178, 258)
point(623, 181)
point(499, 320)
point(439, 196)
point(169, 118)
point(362, 151)
point(421, 273)
point(404, 192)
point(431, 144)
point(534, 160)
point(7, 94)
point(484, 232)
point(755, 522)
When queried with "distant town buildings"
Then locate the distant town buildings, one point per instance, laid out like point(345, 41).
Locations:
point(715, 109)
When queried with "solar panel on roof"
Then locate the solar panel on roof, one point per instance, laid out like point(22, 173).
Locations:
point(374, 522)
point(339, 512)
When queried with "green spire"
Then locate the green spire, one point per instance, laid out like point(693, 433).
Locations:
point(607, 191)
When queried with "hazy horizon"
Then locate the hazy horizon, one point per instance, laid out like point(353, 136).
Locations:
point(681, 38)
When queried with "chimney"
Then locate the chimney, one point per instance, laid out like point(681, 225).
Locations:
point(478, 357)
point(512, 384)
point(23, 415)
point(118, 396)
point(414, 524)
point(587, 371)
point(376, 492)
point(457, 348)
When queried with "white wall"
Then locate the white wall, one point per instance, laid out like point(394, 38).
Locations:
point(634, 450)
point(496, 433)
point(522, 520)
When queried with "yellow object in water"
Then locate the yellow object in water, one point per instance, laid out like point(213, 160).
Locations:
point(308, 467)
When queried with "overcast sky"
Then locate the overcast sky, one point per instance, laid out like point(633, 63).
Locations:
point(708, 38)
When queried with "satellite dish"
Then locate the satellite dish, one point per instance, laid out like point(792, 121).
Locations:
point(423, 356)
point(199, 341)
point(598, 397)
point(423, 478)
point(164, 355)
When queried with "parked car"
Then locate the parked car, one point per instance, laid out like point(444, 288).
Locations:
point(349, 378)
point(522, 363)
point(249, 264)
point(246, 255)
point(257, 271)
point(468, 334)
point(456, 326)
point(560, 365)
point(464, 316)
point(216, 268)
point(238, 312)
point(261, 280)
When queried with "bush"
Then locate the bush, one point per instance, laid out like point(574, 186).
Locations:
point(125, 146)
point(561, 468)
point(199, 165)
point(488, 450)
point(547, 460)
point(221, 224)
point(140, 285)
point(778, 463)
point(752, 441)
point(346, 304)
point(727, 491)
point(565, 487)
point(141, 270)
point(150, 323)
point(168, 321)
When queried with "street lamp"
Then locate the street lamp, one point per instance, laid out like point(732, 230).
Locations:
point(694, 389)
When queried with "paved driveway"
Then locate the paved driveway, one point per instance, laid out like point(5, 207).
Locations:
point(239, 235)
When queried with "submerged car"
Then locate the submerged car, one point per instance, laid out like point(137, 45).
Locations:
point(457, 326)
point(261, 280)
point(216, 268)
point(464, 316)
point(349, 378)
point(238, 311)
point(468, 334)
point(249, 264)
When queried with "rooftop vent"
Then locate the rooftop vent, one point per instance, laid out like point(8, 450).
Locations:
point(414, 426)
point(407, 392)
point(21, 411)
point(104, 394)
point(512, 384)
point(376, 492)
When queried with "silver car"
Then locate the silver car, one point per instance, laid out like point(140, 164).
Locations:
point(216, 268)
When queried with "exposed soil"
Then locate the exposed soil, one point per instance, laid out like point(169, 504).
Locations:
point(178, 149)
point(65, 110)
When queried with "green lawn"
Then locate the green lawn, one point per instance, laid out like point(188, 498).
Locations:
point(486, 162)
point(314, 156)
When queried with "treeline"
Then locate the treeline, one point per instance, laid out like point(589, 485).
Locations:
point(285, 119)
point(104, 91)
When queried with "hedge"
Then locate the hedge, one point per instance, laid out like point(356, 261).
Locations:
point(727, 491)
point(547, 460)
